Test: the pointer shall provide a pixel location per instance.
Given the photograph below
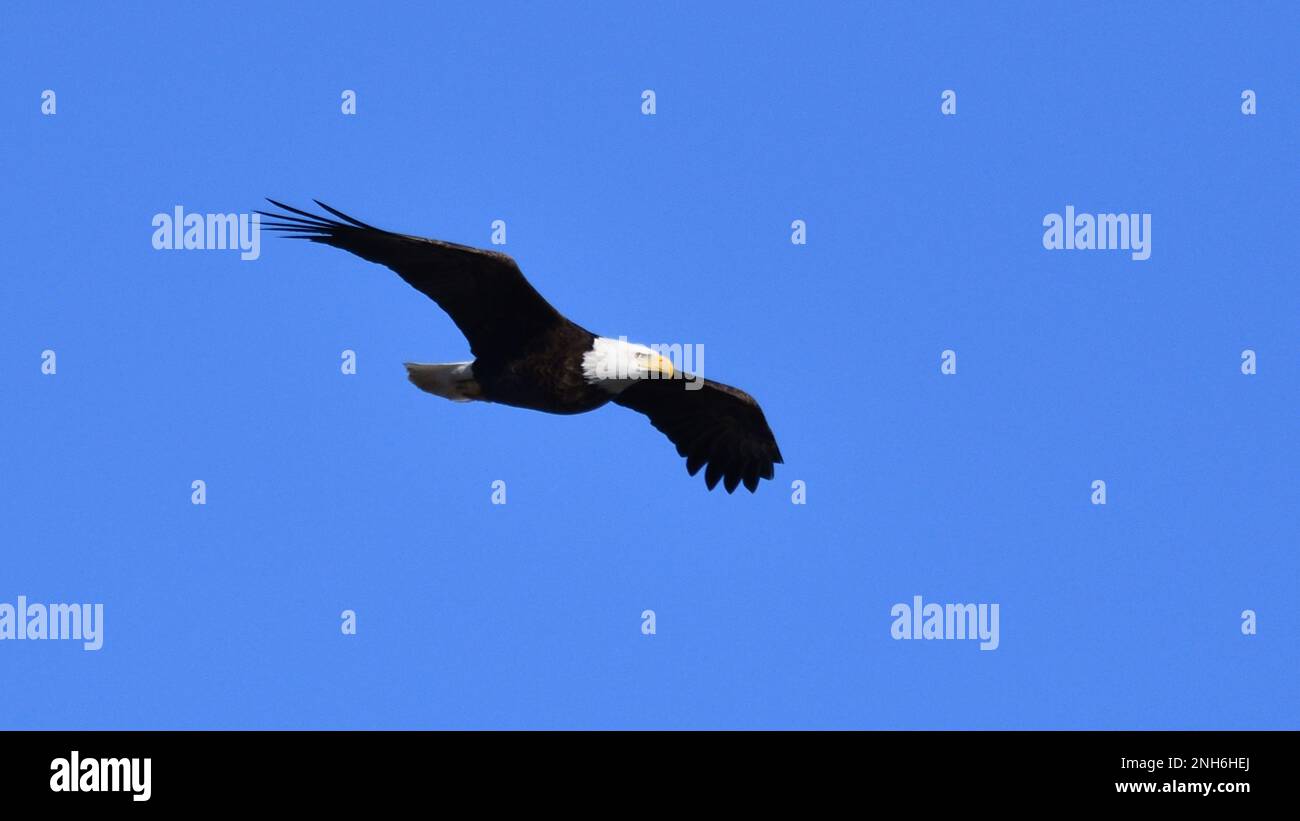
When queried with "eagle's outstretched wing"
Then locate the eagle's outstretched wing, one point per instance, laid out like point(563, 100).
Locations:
point(483, 292)
point(716, 424)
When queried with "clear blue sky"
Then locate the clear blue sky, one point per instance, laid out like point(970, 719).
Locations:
point(329, 492)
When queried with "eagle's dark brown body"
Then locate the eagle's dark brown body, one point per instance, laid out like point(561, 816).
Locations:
point(546, 376)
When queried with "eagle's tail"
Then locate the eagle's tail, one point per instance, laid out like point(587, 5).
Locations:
point(454, 380)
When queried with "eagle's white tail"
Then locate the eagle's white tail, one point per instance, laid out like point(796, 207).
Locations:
point(454, 380)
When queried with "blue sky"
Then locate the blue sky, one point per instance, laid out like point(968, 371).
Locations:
point(329, 492)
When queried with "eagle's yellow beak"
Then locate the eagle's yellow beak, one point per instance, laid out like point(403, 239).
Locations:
point(663, 366)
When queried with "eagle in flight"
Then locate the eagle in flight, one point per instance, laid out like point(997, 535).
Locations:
point(527, 354)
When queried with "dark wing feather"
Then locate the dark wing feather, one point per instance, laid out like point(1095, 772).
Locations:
point(717, 425)
point(483, 292)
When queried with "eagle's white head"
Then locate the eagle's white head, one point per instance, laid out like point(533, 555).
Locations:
point(616, 364)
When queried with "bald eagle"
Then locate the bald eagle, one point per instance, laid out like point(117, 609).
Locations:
point(527, 354)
